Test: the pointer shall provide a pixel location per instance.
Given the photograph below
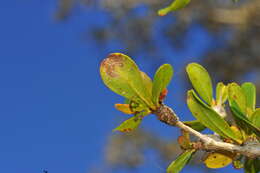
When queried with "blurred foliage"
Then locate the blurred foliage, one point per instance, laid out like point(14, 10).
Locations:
point(234, 25)
point(235, 54)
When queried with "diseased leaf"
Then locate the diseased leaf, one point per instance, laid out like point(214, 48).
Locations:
point(217, 160)
point(121, 75)
point(201, 81)
point(209, 118)
point(250, 94)
point(129, 125)
point(178, 164)
point(195, 124)
point(161, 80)
point(236, 95)
point(221, 93)
point(125, 108)
point(255, 118)
point(175, 5)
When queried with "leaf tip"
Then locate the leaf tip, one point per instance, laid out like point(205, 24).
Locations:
point(109, 64)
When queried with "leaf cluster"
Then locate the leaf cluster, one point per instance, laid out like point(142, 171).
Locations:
point(144, 96)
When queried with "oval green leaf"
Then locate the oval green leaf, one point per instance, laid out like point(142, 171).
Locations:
point(209, 118)
point(201, 81)
point(121, 75)
point(250, 94)
point(175, 5)
point(178, 164)
point(161, 80)
point(221, 93)
point(236, 95)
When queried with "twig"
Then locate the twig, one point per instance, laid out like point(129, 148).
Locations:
point(168, 116)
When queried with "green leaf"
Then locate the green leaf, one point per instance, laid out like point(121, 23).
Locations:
point(255, 118)
point(161, 80)
point(252, 165)
point(178, 164)
point(175, 5)
point(129, 124)
point(147, 82)
point(243, 122)
point(121, 75)
point(201, 81)
point(250, 94)
point(209, 118)
point(195, 124)
point(236, 95)
point(221, 93)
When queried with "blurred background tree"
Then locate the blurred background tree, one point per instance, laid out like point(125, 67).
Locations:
point(233, 53)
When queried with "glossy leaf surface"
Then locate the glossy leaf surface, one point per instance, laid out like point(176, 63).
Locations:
point(201, 81)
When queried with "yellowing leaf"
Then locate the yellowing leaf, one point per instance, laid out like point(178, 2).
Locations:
point(175, 5)
point(125, 108)
point(129, 125)
point(217, 160)
point(121, 75)
point(237, 131)
point(201, 81)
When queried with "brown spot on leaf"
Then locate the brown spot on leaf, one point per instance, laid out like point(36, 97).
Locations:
point(111, 62)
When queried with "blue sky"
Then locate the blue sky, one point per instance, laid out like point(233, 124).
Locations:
point(55, 113)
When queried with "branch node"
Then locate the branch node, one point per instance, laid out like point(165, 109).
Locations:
point(166, 115)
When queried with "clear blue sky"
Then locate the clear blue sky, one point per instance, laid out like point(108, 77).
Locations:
point(55, 113)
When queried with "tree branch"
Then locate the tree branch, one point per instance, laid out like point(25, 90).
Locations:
point(168, 116)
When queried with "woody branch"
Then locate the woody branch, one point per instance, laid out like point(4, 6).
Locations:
point(168, 116)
